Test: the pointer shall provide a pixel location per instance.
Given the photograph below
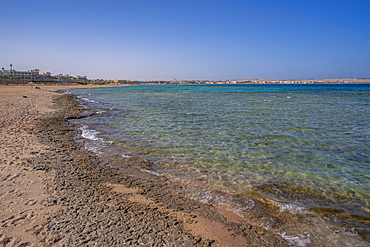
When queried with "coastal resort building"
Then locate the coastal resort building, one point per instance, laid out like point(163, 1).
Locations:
point(30, 74)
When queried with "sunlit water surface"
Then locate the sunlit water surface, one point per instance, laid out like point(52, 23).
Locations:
point(302, 151)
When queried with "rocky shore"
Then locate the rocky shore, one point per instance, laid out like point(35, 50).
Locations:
point(55, 193)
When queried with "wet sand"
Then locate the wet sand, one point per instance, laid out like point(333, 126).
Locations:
point(55, 193)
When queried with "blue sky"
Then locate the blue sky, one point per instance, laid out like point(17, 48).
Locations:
point(162, 40)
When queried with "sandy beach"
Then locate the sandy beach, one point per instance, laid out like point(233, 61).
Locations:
point(55, 193)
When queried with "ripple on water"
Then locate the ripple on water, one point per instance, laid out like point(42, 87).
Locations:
point(295, 158)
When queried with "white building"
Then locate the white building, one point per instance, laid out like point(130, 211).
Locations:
point(30, 74)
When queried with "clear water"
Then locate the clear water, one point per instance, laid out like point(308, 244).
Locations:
point(301, 150)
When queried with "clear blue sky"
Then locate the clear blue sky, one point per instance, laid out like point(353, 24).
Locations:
point(162, 40)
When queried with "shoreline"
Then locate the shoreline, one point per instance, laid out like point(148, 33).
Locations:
point(297, 223)
point(112, 85)
point(89, 201)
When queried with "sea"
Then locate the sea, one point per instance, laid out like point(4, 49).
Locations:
point(292, 158)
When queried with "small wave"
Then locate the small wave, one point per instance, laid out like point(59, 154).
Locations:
point(152, 172)
point(237, 208)
point(204, 196)
point(90, 134)
point(216, 198)
point(297, 241)
point(89, 100)
point(93, 149)
point(81, 97)
point(290, 208)
point(95, 143)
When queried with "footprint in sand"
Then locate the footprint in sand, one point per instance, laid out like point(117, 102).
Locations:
point(4, 178)
point(30, 202)
point(12, 241)
point(18, 220)
point(13, 176)
point(5, 241)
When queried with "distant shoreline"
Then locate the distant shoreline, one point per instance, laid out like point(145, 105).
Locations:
point(110, 83)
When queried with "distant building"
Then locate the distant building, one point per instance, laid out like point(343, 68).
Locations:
point(29, 74)
point(121, 81)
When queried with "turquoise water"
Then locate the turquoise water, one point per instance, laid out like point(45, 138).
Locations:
point(301, 149)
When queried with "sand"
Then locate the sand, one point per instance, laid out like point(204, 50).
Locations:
point(55, 193)
point(21, 188)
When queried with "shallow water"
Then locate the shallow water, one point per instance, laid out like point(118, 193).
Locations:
point(302, 151)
